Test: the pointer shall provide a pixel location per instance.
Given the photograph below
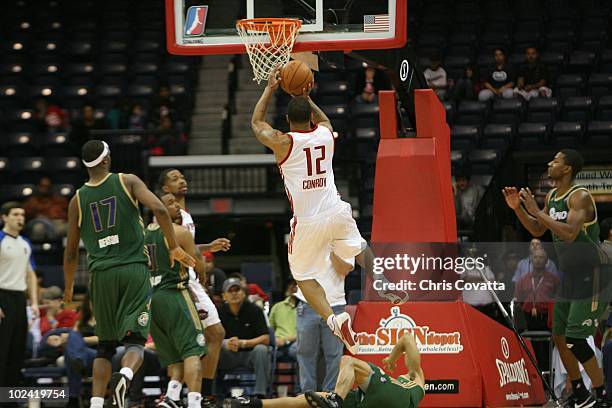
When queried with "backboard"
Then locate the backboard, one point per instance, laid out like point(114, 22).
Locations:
point(202, 27)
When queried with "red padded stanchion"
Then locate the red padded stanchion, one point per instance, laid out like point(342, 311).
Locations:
point(413, 199)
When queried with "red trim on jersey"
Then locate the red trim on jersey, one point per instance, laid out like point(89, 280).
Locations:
point(306, 131)
point(292, 236)
point(288, 153)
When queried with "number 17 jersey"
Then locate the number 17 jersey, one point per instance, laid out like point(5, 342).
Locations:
point(111, 227)
point(308, 173)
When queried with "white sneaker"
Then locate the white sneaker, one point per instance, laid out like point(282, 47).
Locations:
point(343, 329)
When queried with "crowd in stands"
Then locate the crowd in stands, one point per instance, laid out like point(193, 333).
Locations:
point(501, 80)
point(162, 116)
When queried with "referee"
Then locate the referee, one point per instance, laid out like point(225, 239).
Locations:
point(16, 275)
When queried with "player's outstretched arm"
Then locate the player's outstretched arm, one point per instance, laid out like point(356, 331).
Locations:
point(275, 140)
point(71, 253)
point(318, 116)
point(140, 192)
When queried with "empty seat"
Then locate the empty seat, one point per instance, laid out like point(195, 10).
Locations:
point(67, 170)
point(604, 108)
point(532, 136)
point(581, 61)
point(483, 161)
point(567, 134)
point(28, 169)
point(497, 136)
point(599, 134)
point(17, 192)
point(55, 145)
point(577, 109)
point(465, 137)
point(600, 84)
point(570, 80)
point(20, 144)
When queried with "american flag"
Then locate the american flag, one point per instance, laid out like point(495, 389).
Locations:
point(376, 23)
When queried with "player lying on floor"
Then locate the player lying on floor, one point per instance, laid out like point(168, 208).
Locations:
point(375, 389)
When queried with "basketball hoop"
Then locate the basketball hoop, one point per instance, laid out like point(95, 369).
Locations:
point(268, 42)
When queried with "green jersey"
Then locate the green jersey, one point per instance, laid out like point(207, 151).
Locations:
point(558, 209)
point(111, 227)
point(162, 275)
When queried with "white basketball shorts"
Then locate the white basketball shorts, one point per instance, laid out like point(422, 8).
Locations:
point(312, 239)
point(204, 302)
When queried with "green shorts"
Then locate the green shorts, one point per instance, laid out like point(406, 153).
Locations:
point(175, 326)
point(385, 391)
point(120, 300)
point(577, 318)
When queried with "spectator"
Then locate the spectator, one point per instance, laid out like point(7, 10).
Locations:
point(500, 80)
point(436, 76)
point(467, 198)
point(532, 77)
point(216, 276)
point(47, 211)
point(525, 265)
point(80, 350)
point(535, 290)
point(49, 116)
point(368, 83)
point(117, 116)
point(283, 319)
point(83, 125)
point(255, 293)
point(246, 335)
point(606, 236)
point(55, 317)
point(480, 299)
point(16, 276)
point(137, 118)
point(164, 106)
point(468, 86)
point(314, 336)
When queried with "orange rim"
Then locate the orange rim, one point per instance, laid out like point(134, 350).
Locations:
point(272, 24)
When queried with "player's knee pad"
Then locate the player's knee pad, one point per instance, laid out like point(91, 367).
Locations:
point(580, 348)
point(106, 349)
point(135, 348)
point(134, 343)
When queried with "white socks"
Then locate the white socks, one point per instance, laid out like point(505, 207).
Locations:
point(127, 372)
point(174, 390)
point(331, 323)
point(194, 400)
point(97, 402)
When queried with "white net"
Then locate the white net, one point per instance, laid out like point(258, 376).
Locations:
point(268, 43)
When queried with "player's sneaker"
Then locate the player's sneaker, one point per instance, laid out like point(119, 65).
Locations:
point(603, 403)
point(343, 329)
point(169, 403)
point(586, 403)
point(240, 402)
point(209, 402)
point(331, 400)
point(119, 385)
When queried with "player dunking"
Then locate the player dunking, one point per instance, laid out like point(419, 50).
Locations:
point(174, 182)
point(322, 223)
point(571, 215)
point(375, 389)
point(104, 213)
point(175, 325)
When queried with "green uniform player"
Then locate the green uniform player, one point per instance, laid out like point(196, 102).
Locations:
point(175, 327)
point(571, 216)
point(375, 388)
point(104, 213)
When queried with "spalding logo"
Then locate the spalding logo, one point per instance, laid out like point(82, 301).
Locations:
point(143, 319)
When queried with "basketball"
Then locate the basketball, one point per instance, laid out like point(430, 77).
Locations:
point(295, 76)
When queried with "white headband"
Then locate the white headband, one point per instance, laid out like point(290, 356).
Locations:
point(98, 160)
